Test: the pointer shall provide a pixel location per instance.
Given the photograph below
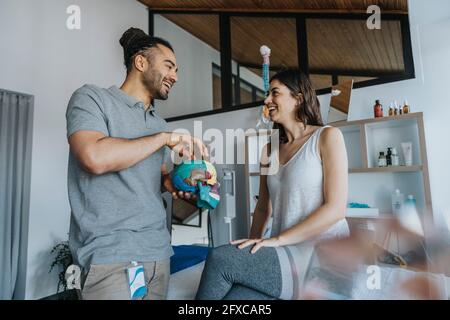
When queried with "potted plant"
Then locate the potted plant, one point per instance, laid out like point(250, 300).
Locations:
point(63, 259)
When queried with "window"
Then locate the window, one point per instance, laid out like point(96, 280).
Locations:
point(330, 47)
point(243, 92)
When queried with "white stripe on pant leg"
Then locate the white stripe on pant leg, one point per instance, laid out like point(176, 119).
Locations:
point(286, 274)
point(301, 255)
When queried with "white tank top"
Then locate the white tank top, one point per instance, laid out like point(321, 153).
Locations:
point(296, 190)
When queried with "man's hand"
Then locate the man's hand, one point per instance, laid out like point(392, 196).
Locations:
point(186, 146)
point(168, 185)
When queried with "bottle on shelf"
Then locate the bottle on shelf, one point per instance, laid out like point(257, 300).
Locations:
point(382, 160)
point(410, 200)
point(378, 109)
point(395, 108)
point(407, 153)
point(395, 158)
point(409, 216)
point(397, 202)
point(405, 107)
point(389, 157)
point(391, 109)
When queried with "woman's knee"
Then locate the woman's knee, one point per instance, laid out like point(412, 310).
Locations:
point(221, 253)
point(226, 254)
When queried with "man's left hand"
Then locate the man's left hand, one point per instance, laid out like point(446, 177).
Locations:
point(176, 194)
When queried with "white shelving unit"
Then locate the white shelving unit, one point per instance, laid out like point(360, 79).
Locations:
point(369, 184)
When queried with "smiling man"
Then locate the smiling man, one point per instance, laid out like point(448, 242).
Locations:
point(118, 150)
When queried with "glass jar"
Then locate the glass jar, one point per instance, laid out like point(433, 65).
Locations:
point(382, 160)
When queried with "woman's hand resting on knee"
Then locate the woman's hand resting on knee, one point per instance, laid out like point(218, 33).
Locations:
point(257, 243)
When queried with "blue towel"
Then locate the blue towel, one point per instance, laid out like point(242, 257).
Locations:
point(186, 256)
point(357, 205)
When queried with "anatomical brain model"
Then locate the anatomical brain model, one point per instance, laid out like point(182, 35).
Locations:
point(200, 178)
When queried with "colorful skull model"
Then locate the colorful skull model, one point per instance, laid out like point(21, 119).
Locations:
point(200, 178)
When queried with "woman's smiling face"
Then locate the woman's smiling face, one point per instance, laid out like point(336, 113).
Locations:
point(281, 103)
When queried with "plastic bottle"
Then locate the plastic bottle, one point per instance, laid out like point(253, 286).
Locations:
point(410, 200)
point(395, 158)
point(409, 216)
point(397, 202)
point(389, 157)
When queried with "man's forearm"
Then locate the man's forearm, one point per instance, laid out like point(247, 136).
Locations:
point(115, 154)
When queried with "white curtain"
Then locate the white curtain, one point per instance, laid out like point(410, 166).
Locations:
point(16, 120)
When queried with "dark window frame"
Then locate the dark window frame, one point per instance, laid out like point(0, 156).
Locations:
point(302, 50)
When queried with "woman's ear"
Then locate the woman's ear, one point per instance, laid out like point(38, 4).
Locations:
point(300, 98)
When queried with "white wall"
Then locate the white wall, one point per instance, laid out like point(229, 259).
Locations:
point(193, 93)
point(42, 57)
point(430, 27)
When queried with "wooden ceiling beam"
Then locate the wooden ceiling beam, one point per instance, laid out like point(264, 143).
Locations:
point(355, 72)
point(251, 10)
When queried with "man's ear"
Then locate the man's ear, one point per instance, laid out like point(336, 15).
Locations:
point(140, 63)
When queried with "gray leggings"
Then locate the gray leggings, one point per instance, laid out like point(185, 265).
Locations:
point(234, 274)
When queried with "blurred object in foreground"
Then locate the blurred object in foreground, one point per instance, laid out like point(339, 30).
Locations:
point(340, 270)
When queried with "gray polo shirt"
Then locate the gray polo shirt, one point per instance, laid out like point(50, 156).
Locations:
point(118, 216)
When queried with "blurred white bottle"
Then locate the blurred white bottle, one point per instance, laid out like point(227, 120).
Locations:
point(409, 216)
point(395, 157)
point(397, 202)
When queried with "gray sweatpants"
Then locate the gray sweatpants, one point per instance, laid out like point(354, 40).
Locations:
point(110, 281)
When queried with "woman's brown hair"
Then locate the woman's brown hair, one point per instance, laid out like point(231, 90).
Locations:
point(308, 112)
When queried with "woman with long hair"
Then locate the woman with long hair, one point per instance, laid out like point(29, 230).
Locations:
point(306, 197)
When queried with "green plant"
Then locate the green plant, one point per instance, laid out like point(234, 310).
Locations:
point(63, 259)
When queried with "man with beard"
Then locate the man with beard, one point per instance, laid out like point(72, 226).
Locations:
point(119, 148)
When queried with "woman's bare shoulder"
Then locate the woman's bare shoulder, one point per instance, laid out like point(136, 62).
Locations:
point(331, 133)
point(330, 138)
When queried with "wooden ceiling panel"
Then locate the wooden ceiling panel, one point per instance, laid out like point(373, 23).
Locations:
point(350, 45)
point(248, 34)
point(332, 44)
point(203, 26)
point(391, 6)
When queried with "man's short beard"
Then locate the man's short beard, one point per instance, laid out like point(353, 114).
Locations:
point(152, 80)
